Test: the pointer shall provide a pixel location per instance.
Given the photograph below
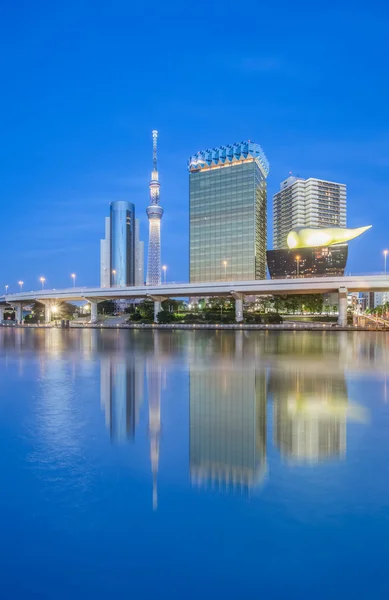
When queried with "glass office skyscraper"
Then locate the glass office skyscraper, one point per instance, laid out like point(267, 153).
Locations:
point(122, 243)
point(121, 251)
point(228, 213)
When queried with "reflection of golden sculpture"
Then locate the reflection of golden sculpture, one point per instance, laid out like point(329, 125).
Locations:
point(307, 237)
point(311, 413)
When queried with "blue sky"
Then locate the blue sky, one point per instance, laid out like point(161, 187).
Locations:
point(83, 84)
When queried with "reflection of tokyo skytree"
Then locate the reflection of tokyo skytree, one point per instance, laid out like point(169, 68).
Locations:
point(154, 385)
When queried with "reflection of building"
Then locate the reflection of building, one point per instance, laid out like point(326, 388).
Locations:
point(310, 413)
point(228, 213)
point(227, 426)
point(121, 252)
point(307, 203)
point(321, 261)
point(121, 394)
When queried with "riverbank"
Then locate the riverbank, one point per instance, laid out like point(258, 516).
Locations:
point(286, 326)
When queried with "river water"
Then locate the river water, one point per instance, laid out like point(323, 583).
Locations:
point(193, 464)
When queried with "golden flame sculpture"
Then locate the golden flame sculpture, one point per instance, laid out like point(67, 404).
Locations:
point(306, 237)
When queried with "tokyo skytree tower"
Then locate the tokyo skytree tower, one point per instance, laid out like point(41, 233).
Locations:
point(154, 213)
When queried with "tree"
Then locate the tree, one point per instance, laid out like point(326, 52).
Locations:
point(274, 318)
point(164, 317)
point(106, 308)
point(146, 309)
point(293, 303)
point(37, 313)
point(170, 305)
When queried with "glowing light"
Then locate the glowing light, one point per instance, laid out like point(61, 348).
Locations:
point(54, 309)
point(305, 237)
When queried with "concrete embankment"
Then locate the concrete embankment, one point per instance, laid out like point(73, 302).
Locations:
point(288, 326)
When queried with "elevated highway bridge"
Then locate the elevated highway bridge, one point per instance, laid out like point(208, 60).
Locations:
point(236, 289)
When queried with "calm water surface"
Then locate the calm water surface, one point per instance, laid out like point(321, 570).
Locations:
point(194, 464)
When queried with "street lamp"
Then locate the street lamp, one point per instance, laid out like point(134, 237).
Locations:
point(42, 280)
point(225, 268)
point(114, 276)
point(73, 276)
point(298, 265)
point(164, 269)
point(385, 256)
point(21, 285)
point(6, 289)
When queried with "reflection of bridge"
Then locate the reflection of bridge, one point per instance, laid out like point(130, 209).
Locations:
point(236, 289)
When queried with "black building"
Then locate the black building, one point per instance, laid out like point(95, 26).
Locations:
point(320, 261)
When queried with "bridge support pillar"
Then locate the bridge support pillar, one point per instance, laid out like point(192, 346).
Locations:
point(157, 305)
point(157, 309)
point(238, 306)
point(18, 308)
point(93, 308)
point(342, 307)
point(93, 312)
point(49, 309)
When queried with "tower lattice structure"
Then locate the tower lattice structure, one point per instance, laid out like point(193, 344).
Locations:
point(154, 213)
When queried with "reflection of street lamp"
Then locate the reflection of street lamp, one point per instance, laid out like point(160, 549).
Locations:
point(298, 265)
point(21, 285)
point(73, 276)
point(114, 276)
point(42, 280)
point(164, 269)
point(385, 256)
point(225, 268)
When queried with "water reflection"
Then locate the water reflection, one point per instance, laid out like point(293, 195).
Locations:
point(227, 426)
point(121, 394)
point(310, 414)
point(245, 393)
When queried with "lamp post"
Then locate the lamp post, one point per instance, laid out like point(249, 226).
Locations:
point(42, 280)
point(225, 263)
point(6, 289)
point(54, 311)
point(164, 269)
point(385, 257)
point(73, 276)
point(21, 285)
point(114, 276)
point(298, 265)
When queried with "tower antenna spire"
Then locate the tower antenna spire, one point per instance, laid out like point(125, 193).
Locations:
point(155, 140)
point(154, 213)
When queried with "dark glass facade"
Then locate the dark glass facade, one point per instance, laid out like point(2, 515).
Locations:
point(320, 261)
point(122, 244)
point(228, 222)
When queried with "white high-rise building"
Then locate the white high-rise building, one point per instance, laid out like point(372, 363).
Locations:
point(105, 256)
point(380, 298)
point(307, 203)
point(139, 257)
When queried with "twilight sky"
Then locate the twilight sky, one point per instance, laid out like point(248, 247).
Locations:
point(83, 84)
